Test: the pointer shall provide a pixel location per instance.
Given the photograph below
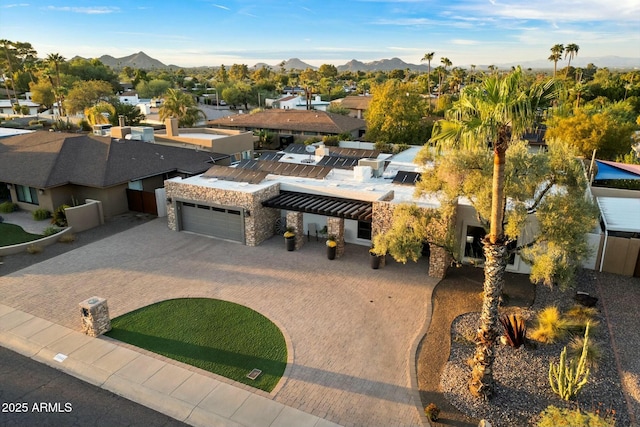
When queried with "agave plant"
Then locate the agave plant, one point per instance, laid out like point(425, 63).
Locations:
point(515, 329)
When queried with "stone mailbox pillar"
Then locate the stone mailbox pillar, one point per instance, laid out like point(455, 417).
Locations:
point(95, 316)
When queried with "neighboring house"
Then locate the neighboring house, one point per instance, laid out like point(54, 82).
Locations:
point(357, 105)
point(293, 102)
point(237, 144)
point(129, 97)
point(298, 124)
point(6, 107)
point(49, 169)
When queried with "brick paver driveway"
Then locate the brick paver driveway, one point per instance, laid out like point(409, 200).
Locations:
point(352, 330)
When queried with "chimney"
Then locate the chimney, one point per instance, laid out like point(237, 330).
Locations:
point(172, 126)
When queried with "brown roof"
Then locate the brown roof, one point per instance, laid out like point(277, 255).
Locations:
point(49, 159)
point(355, 102)
point(292, 120)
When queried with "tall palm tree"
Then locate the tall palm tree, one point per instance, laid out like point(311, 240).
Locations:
point(556, 55)
point(96, 114)
point(498, 110)
point(428, 57)
point(571, 51)
point(182, 106)
point(55, 59)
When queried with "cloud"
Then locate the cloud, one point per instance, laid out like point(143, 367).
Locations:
point(465, 42)
point(96, 10)
point(219, 6)
point(9, 6)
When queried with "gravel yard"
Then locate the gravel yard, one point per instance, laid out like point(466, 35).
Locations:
point(522, 385)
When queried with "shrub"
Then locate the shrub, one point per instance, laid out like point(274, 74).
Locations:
point(67, 238)
point(331, 140)
point(50, 231)
point(594, 352)
point(34, 249)
point(432, 412)
point(577, 318)
point(556, 417)
point(290, 233)
point(311, 140)
point(551, 327)
point(33, 122)
point(1, 219)
point(59, 217)
point(399, 148)
point(515, 329)
point(40, 214)
point(8, 207)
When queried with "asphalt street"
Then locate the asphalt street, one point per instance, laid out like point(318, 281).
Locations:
point(33, 394)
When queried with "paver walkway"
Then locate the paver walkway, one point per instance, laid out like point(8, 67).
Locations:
point(353, 331)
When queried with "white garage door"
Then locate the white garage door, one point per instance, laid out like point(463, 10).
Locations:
point(224, 223)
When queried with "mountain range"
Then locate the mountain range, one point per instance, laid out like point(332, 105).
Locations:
point(144, 61)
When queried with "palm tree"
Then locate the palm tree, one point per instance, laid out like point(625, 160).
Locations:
point(556, 55)
point(182, 106)
point(571, 50)
point(55, 59)
point(96, 114)
point(428, 57)
point(498, 110)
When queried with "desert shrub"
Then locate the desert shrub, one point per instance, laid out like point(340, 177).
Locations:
point(399, 148)
point(50, 231)
point(59, 217)
point(551, 326)
point(432, 412)
point(577, 317)
point(594, 352)
point(67, 238)
point(85, 125)
point(562, 417)
point(515, 329)
point(40, 214)
point(383, 147)
point(8, 207)
point(331, 140)
point(311, 140)
point(34, 249)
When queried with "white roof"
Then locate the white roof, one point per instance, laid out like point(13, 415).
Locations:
point(620, 214)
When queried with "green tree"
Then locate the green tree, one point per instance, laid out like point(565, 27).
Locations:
point(42, 93)
point(85, 94)
point(395, 115)
point(100, 113)
point(182, 106)
point(8, 48)
point(131, 113)
point(499, 111)
point(570, 50)
point(328, 71)
point(152, 89)
point(222, 75)
point(55, 60)
point(239, 72)
point(599, 131)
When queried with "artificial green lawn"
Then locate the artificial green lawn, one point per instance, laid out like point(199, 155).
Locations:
point(11, 234)
point(219, 336)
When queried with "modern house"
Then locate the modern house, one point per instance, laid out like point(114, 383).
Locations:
point(293, 124)
point(6, 107)
point(49, 169)
point(298, 102)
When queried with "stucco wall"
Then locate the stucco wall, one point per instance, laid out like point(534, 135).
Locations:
point(259, 223)
point(85, 217)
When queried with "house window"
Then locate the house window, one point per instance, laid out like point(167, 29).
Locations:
point(364, 230)
point(27, 194)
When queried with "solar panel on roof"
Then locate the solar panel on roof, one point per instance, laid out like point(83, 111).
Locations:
point(271, 156)
point(296, 149)
point(406, 178)
point(338, 162)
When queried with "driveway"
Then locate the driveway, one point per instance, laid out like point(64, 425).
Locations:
point(352, 331)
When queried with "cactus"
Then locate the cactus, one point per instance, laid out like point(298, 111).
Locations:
point(568, 379)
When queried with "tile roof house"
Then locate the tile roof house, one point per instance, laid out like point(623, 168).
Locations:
point(48, 169)
point(357, 105)
point(300, 123)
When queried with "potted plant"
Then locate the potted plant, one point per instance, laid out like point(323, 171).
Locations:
point(331, 247)
point(290, 238)
point(374, 258)
point(432, 412)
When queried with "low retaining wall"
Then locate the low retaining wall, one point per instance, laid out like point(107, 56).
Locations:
point(22, 247)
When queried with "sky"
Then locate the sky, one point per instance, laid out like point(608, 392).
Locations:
point(209, 33)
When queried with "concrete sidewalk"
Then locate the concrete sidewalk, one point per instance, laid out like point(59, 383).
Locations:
point(165, 387)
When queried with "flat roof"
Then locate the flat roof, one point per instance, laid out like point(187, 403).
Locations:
point(620, 214)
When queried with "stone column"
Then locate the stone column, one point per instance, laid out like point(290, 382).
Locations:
point(335, 227)
point(95, 316)
point(294, 219)
point(439, 262)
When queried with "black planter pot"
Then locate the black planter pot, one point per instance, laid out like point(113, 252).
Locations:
point(375, 261)
point(331, 252)
point(290, 243)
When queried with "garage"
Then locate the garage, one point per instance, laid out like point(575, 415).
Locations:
point(216, 221)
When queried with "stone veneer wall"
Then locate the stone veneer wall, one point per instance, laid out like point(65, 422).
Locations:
point(296, 221)
point(259, 225)
point(335, 227)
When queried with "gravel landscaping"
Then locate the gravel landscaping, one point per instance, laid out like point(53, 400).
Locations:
point(522, 384)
